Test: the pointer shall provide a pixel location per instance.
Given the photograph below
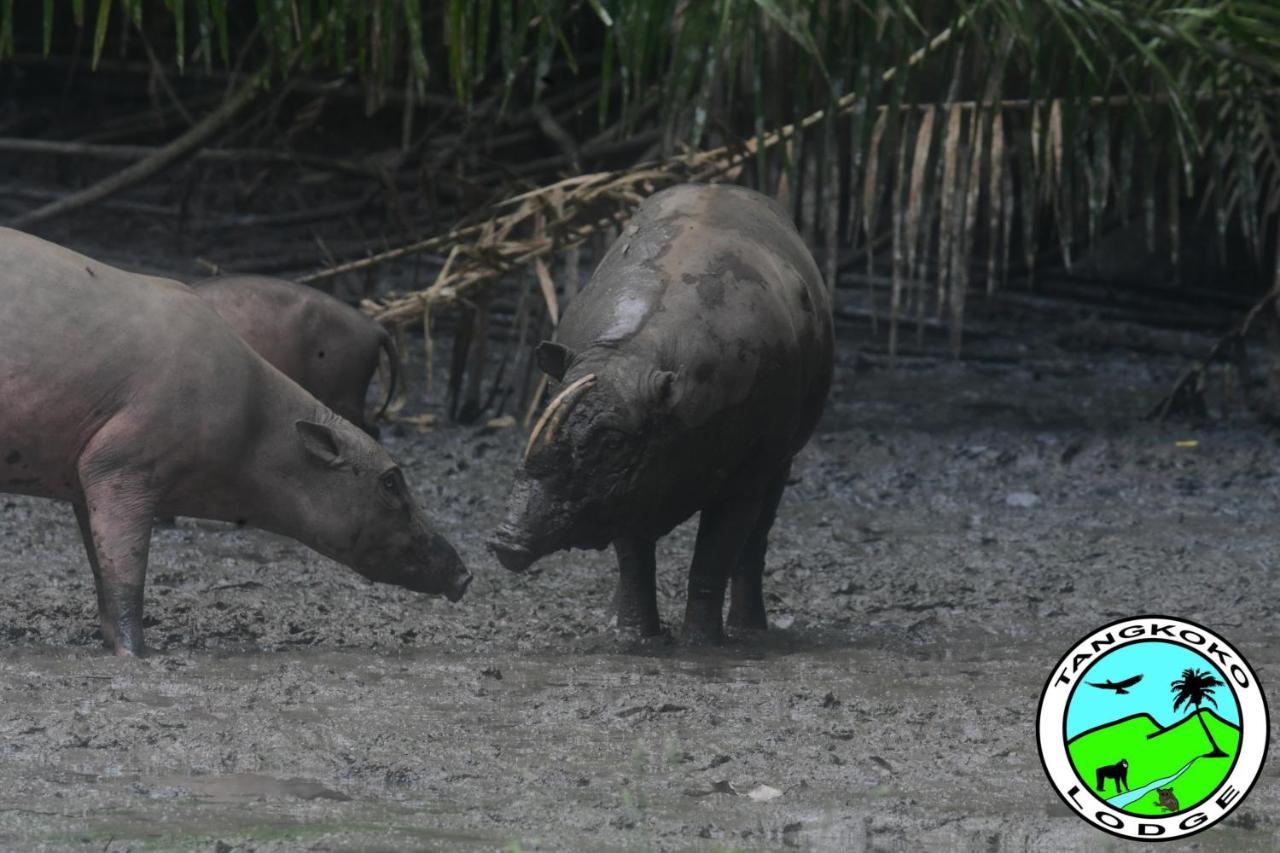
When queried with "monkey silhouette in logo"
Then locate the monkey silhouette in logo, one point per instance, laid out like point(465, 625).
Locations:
point(1118, 771)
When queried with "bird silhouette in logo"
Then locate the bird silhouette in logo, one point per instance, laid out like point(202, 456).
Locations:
point(1118, 686)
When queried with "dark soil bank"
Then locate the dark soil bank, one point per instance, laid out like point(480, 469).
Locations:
point(950, 531)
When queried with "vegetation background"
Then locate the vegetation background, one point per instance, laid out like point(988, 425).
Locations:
point(1009, 169)
point(929, 151)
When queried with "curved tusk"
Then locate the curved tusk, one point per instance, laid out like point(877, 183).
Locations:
point(580, 384)
point(561, 413)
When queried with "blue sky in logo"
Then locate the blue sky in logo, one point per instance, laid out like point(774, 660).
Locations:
point(1160, 664)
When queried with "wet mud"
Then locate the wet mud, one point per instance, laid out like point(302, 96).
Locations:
point(951, 529)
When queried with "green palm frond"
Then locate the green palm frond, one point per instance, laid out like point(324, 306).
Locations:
point(996, 128)
point(1195, 687)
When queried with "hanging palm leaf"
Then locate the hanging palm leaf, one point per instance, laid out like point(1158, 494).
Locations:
point(964, 116)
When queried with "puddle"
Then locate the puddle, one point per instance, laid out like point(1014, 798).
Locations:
point(243, 787)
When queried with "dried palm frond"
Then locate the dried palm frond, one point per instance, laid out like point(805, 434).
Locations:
point(1030, 125)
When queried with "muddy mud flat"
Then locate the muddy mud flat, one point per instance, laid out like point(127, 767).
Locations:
point(952, 528)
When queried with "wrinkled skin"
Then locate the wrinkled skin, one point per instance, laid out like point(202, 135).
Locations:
point(128, 397)
point(323, 344)
point(692, 368)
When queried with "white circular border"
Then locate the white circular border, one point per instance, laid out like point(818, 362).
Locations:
point(1250, 755)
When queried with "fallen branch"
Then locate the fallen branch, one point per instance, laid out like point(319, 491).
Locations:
point(11, 144)
point(163, 157)
point(489, 259)
point(577, 194)
point(12, 193)
point(554, 131)
point(1187, 396)
point(157, 161)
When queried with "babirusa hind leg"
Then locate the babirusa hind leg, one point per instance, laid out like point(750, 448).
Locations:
point(722, 532)
point(746, 603)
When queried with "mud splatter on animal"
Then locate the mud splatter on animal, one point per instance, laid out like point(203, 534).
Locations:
point(694, 366)
point(217, 433)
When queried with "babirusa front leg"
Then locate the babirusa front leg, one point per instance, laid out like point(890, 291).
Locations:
point(637, 596)
point(120, 516)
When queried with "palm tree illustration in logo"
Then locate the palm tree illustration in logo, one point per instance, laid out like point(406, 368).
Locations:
point(1153, 715)
point(1194, 688)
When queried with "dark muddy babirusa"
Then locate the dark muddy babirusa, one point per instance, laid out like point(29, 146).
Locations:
point(692, 369)
point(326, 346)
point(128, 396)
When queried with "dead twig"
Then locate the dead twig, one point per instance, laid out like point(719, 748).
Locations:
point(554, 131)
point(162, 79)
point(578, 217)
point(524, 230)
point(17, 145)
point(236, 101)
point(156, 162)
point(1187, 396)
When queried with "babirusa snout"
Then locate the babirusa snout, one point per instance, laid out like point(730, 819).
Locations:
point(513, 556)
point(529, 530)
point(459, 586)
point(452, 577)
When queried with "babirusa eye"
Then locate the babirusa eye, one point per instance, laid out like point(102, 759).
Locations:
point(613, 439)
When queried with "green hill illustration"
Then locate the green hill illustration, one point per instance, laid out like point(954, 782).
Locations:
point(1177, 757)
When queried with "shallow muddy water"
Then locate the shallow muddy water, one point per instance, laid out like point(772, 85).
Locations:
point(950, 531)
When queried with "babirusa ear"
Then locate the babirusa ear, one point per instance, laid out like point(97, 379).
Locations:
point(664, 387)
point(553, 359)
point(321, 443)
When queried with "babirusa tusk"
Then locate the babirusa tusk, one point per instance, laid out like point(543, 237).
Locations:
point(577, 385)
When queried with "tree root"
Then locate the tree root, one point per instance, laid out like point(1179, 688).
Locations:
point(1186, 399)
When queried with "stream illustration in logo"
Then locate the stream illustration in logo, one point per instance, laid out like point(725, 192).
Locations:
point(1153, 728)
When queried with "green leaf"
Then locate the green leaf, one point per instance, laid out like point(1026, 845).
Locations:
point(606, 80)
point(219, 9)
point(302, 11)
point(100, 29)
point(179, 10)
point(483, 11)
point(797, 29)
point(458, 52)
point(47, 26)
point(417, 52)
point(337, 32)
point(601, 13)
point(6, 28)
point(206, 33)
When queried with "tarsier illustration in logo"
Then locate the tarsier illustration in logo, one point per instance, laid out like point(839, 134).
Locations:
point(1159, 720)
point(1166, 800)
